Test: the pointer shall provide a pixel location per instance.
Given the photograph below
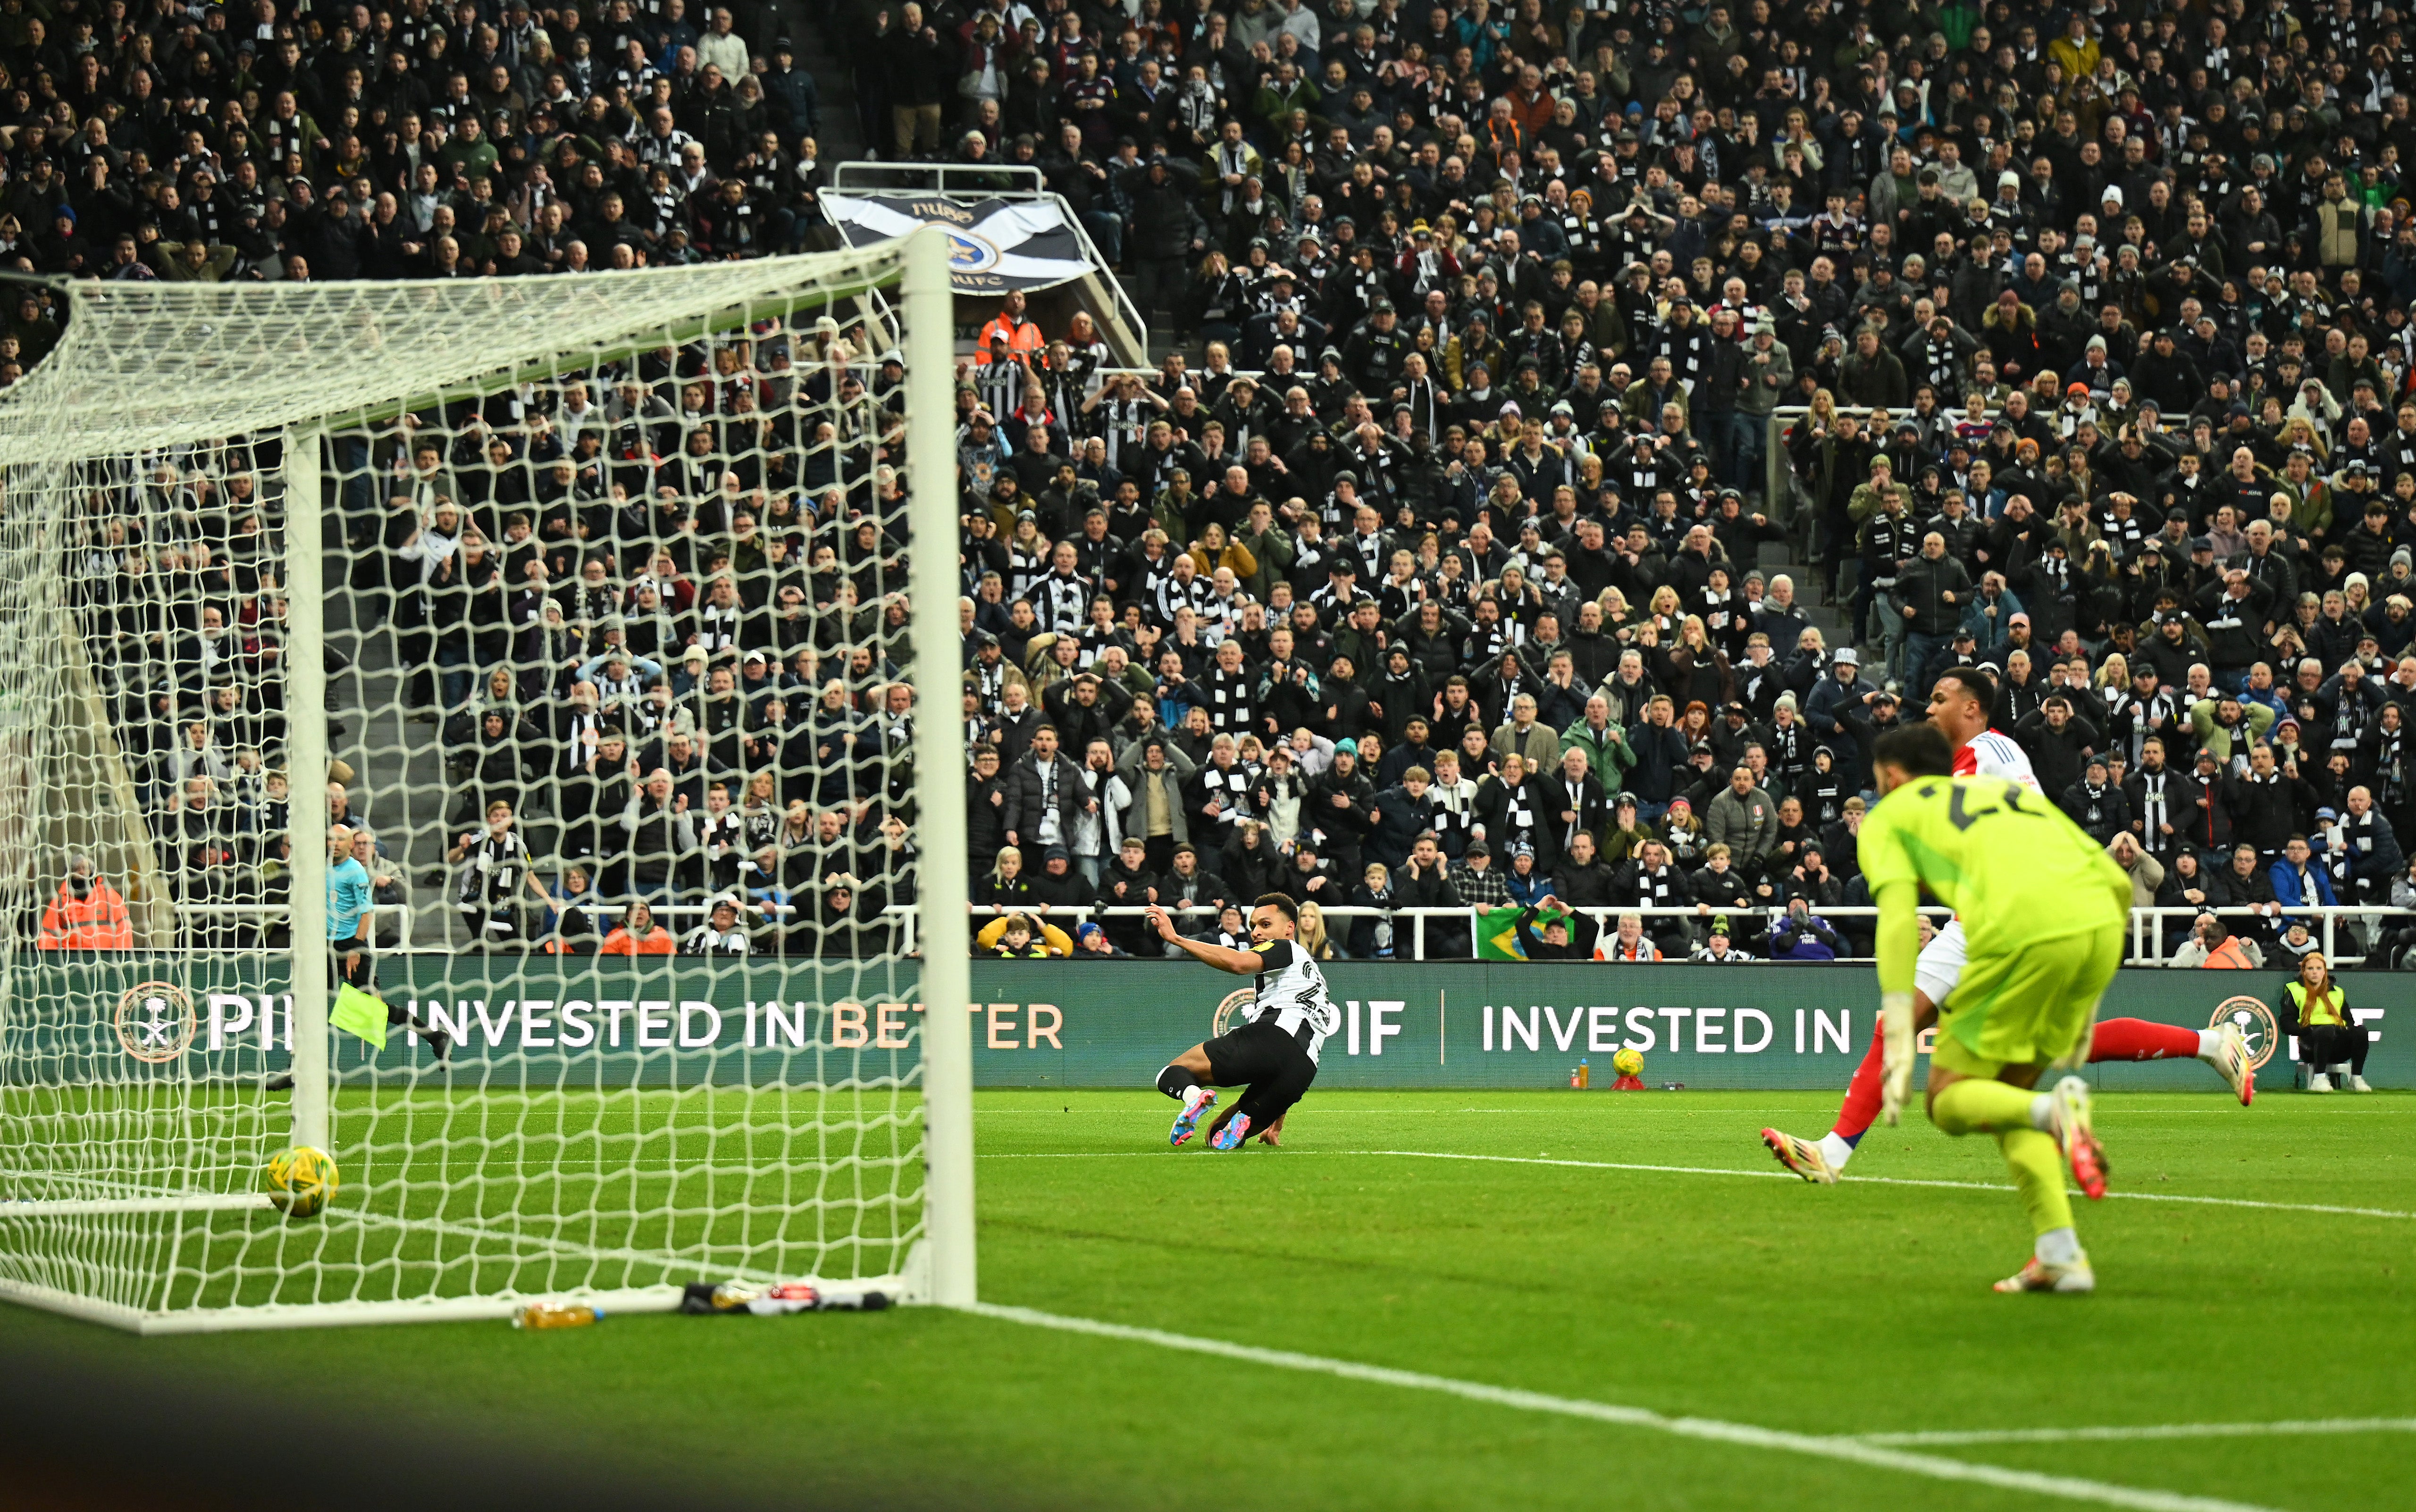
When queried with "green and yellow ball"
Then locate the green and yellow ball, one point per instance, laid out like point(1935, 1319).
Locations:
point(301, 1181)
point(1628, 1062)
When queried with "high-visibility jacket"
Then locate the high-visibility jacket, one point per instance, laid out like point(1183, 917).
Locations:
point(96, 921)
point(621, 942)
point(1021, 334)
point(2332, 1009)
point(2229, 956)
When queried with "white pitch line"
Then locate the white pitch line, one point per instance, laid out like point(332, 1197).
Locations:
point(2116, 1433)
point(1853, 1451)
point(1890, 1182)
point(1730, 1171)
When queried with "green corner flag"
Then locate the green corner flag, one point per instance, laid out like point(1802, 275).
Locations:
point(359, 1014)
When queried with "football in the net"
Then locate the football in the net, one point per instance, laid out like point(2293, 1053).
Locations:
point(301, 1181)
point(1628, 1062)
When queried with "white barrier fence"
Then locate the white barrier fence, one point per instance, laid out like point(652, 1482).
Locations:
point(264, 916)
point(2346, 934)
point(2328, 924)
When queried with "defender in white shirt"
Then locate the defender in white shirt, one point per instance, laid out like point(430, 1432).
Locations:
point(1274, 1054)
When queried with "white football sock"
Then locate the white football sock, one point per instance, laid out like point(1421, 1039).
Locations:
point(1192, 1096)
point(2059, 1247)
point(2043, 1120)
point(1837, 1150)
point(2209, 1041)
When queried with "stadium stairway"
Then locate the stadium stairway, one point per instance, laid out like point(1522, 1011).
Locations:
point(399, 782)
point(1781, 557)
point(809, 29)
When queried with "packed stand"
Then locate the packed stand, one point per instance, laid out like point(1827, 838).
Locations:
point(201, 143)
point(1438, 576)
point(647, 619)
point(1437, 580)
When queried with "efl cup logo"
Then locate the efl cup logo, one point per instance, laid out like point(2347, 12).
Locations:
point(2255, 1023)
point(156, 1022)
point(1236, 1000)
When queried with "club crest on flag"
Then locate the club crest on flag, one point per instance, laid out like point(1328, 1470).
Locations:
point(968, 253)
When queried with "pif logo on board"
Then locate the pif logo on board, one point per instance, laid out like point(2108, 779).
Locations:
point(2256, 1023)
point(156, 1022)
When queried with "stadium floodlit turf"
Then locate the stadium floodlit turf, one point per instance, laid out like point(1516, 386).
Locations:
point(1740, 1298)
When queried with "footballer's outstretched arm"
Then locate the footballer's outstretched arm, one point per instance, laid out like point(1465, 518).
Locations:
point(1240, 962)
point(1899, 949)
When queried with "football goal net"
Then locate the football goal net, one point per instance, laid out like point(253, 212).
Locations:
point(470, 728)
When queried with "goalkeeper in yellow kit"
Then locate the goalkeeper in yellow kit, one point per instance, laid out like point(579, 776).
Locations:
point(2044, 911)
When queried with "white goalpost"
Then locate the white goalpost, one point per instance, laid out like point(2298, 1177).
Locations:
point(615, 619)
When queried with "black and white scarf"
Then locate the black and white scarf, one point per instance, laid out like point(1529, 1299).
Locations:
point(1662, 889)
point(2155, 811)
point(1232, 707)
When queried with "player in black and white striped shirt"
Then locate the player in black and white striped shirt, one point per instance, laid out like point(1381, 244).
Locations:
point(1274, 1054)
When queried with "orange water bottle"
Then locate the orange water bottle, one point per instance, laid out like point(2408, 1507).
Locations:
point(555, 1316)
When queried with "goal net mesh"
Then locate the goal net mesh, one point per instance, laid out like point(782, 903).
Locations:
point(612, 589)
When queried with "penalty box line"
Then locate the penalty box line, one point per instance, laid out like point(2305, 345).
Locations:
point(1849, 1450)
point(1730, 1171)
point(2116, 1433)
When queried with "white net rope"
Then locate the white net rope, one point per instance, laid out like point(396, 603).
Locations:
point(144, 366)
point(623, 554)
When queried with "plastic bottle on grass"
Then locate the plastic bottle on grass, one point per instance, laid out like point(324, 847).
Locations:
point(555, 1316)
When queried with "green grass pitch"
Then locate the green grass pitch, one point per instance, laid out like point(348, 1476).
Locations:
point(1857, 1309)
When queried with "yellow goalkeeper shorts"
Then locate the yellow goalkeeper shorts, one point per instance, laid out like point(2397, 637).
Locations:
point(2028, 1005)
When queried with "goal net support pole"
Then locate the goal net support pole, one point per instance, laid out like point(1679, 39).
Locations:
point(306, 684)
point(935, 584)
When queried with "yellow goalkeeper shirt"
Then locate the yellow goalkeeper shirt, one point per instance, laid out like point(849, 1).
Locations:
point(2008, 862)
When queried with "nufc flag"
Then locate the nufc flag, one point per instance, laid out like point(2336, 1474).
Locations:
point(994, 244)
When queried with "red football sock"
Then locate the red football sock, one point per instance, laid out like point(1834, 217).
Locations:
point(2138, 1039)
point(1860, 1108)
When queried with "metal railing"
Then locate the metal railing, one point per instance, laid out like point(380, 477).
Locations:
point(609, 914)
point(2330, 925)
point(989, 180)
point(2324, 920)
point(1605, 917)
point(994, 181)
point(1779, 465)
point(2146, 948)
point(274, 913)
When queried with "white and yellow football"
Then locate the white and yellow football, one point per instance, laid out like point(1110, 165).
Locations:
point(301, 1181)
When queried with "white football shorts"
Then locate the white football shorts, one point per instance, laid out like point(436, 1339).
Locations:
point(1940, 965)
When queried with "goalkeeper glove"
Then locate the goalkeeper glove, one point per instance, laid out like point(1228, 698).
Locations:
point(1896, 1031)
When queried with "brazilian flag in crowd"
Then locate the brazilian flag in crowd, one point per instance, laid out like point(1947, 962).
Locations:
point(1497, 932)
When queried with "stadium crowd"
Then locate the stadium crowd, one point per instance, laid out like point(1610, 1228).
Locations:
point(1438, 579)
point(268, 141)
point(1429, 572)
